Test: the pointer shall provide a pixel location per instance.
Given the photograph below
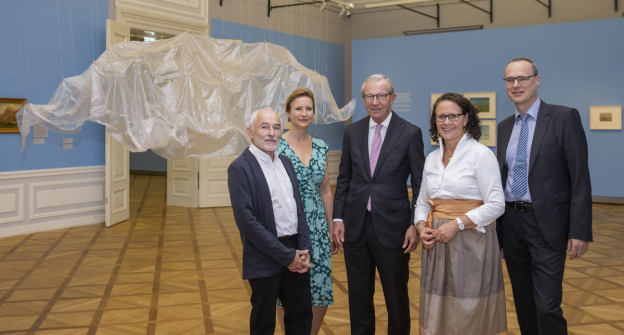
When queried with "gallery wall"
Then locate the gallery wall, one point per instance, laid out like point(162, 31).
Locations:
point(580, 65)
point(49, 41)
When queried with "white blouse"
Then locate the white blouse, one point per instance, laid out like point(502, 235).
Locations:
point(471, 174)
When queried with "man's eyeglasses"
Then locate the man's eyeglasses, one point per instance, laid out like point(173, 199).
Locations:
point(371, 97)
point(452, 117)
point(521, 79)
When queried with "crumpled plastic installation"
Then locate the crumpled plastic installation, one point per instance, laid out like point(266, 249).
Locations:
point(186, 96)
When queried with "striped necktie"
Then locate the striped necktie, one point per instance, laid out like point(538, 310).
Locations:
point(519, 183)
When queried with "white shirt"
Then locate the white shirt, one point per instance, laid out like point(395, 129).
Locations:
point(471, 174)
point(282, 193)
point(371, 131)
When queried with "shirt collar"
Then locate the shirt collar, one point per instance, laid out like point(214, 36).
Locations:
point(259, 154)
point(532, 112)
point(461, 141)
point(385, 122)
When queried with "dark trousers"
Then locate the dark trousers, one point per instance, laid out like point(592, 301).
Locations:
point(293, 289)
point(362, 258)
point(536, 273)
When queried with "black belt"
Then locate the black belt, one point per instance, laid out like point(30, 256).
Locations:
point(286, 237)
point(521, 206)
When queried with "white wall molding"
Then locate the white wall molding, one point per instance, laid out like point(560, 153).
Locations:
point(11, 203)
point(40, 200)
point(167, 16)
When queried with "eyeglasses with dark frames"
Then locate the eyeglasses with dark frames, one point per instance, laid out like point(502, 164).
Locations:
point(371, 97)
point(452, 117)
point(521, 79)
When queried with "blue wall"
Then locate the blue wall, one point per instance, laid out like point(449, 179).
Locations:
point(49, 41)
point(580, 65)
point(322, 57)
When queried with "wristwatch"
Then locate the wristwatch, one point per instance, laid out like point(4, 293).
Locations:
point(460, 224)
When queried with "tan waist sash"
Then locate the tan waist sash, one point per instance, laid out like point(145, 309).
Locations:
point(450, 208)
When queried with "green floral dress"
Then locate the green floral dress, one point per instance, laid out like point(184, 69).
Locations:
point(310, 179)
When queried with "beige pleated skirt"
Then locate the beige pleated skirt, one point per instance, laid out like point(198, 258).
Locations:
point(461, 285)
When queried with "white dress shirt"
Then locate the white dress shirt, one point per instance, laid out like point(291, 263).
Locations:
point(471, 174)
point(282, 193)
point(371, 131)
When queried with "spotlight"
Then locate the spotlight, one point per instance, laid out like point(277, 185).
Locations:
point(342, 11)
point(323, 5)
point(348, 13)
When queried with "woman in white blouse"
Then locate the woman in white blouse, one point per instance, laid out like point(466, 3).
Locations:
point(461, 285)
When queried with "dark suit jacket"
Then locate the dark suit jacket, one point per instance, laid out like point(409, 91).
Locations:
point(558, 174)
point(263, 254)
point(401, 156)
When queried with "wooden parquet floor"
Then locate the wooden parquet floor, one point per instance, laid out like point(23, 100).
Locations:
point(174, 270)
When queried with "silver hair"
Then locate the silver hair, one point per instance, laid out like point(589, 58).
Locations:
point(376, 78)
point(524, 59)
point(254, 117)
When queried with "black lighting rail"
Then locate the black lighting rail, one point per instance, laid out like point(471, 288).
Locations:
point(437, 18)
point(270, 8)
point(491, 12)
point(549, 6)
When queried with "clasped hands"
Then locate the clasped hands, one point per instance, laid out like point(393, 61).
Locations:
point(301, 263)
point(443, 234)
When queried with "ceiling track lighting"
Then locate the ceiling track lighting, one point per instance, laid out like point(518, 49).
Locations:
point(346, 4)
point(394, 3)
point(323, 6)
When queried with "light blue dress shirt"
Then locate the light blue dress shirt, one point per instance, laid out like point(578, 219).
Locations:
point(510, 158)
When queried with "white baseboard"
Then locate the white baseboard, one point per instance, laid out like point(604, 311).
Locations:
point(41, 200)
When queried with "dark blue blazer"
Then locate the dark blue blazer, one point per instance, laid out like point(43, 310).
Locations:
point(263, 254)
point(559, 179)
point(401, 157)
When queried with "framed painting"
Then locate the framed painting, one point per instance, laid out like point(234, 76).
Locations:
point(488, 133)
point(605, 117)
point(8, 108)
point(485, 103)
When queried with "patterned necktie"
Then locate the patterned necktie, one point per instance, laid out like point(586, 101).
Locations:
point(519, 183)
point(374, 156)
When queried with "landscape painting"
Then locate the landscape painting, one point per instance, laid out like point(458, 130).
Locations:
point(8, 109)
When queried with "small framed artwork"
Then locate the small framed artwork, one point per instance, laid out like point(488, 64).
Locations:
point(434, 98)
point(605, 117)
point(485, 103)
point(8, 109)
point(488, 133)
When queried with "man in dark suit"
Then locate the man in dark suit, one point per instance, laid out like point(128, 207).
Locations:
point(276, 241)
point(542, 154)
point(373, 217)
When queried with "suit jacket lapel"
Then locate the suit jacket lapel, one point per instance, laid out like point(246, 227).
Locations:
point(543, 117)
point(393, 133)
point(506, 129)
point(363, 144)
point(263, 187)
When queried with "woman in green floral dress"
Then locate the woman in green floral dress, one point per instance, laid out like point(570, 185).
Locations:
point(309, 157)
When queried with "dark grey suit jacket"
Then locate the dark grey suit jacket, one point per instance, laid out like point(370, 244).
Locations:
point(263, 254)
point(401, 157)
point(559, 179)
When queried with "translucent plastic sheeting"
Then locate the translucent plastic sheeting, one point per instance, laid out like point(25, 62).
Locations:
point(186, 96)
